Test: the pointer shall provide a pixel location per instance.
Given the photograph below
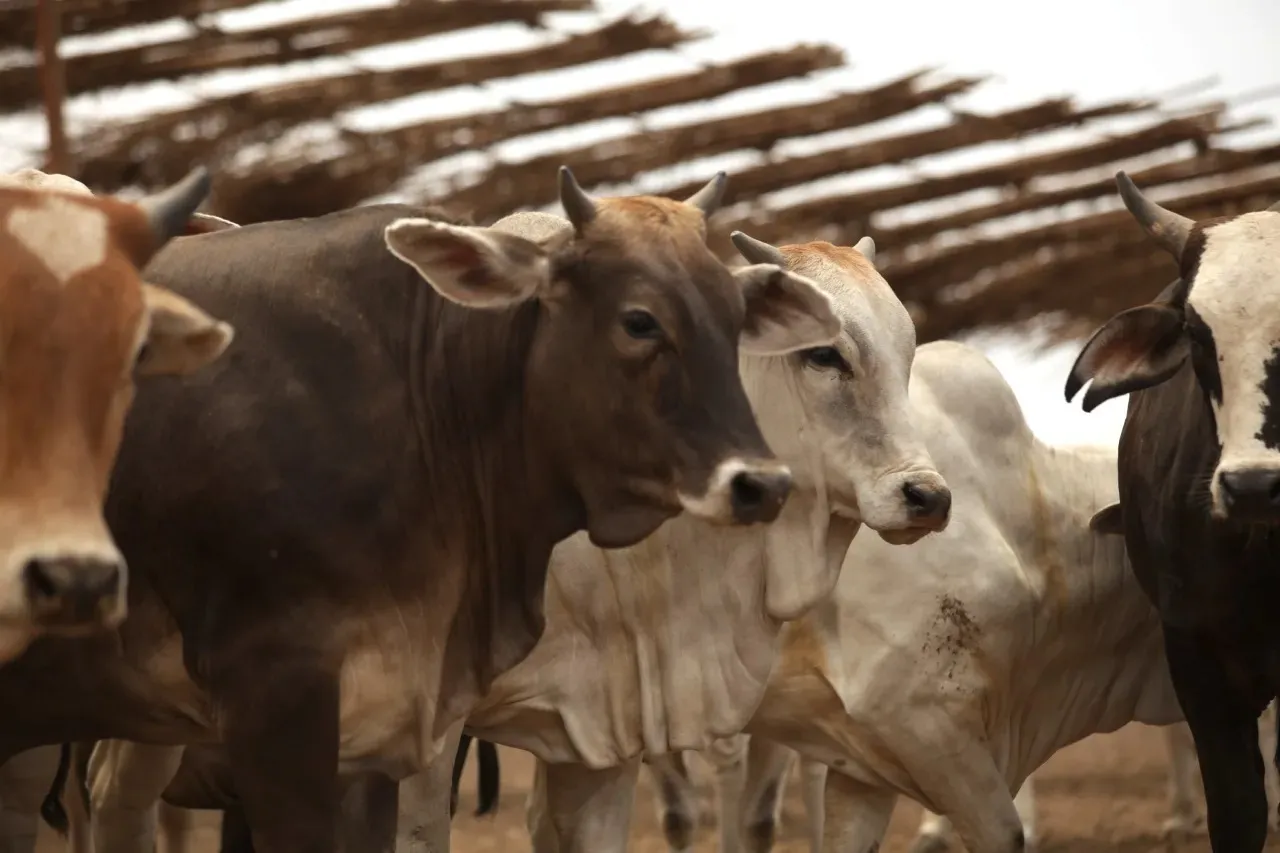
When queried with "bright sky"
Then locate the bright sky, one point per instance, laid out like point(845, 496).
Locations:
point(1094, 50)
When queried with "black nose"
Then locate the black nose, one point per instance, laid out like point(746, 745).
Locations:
point(70, 590)
point(928, 502)
point(1251, 494)
point(757, 496)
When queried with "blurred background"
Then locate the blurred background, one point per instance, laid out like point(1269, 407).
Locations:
point(975, 142)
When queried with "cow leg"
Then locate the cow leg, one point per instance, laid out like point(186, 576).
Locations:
point(24, 781)
point(1184, 815)
point(937, 834)
point(1267, 742)
point(677, 799)
point(760, 802)
point(280, 728)
point(1024, 803)
point(855, 816)
point(173, 829)
point(813, 778)
point(370, 807)
point(970, 790)
point(125, 781)
point(580, 810)
point(1225, 730)
point(424, 802)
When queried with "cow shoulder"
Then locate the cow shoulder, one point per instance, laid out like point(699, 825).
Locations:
point(965, 388)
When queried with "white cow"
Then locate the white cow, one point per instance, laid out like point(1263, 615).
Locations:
point(949, 671)
point(672, 660)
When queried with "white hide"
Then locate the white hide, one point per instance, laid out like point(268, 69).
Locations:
point(1234, 293)
point(949, 670)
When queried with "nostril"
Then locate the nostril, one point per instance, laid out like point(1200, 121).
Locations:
point(917, 498)
point(39, 582)
point(748, 491)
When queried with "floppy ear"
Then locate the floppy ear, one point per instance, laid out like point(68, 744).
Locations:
point(785, 311)
point(1136, 349)
point(1108, 520)
point(476, 267)
point(182, 338)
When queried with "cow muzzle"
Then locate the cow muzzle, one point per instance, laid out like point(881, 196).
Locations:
point(74, 594)
point(1250, 495)
point(742, 492)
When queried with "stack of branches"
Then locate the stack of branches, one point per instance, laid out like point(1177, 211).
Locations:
point(958, 270)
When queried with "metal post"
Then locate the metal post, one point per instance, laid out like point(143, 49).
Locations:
point(52, 85)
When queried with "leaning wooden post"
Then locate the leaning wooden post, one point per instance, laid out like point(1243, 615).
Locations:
point(52, 85)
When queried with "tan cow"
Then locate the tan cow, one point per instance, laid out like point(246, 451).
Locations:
point(78, 325)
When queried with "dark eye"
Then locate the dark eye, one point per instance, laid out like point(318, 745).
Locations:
point(640, 324)
point(143, 352)
point(826, 357)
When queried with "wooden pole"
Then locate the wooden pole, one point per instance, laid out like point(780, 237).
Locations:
point(52, 85)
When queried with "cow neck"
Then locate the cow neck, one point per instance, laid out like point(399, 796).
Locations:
point(1070, 485)
point(495, 503)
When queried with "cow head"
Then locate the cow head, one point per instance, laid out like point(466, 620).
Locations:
point(632, 377)
point(77, 325)
point(1219, 315)
point(847, 400)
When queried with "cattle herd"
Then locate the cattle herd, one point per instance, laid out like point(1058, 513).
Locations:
point(574, 485)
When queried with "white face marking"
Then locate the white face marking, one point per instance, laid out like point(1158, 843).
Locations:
point(68, 237)
point(716, 504)
point(1236, 292)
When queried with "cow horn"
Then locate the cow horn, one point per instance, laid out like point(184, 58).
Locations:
point(757, 251)
point(867, 247)
point(709, 197)
point(169, 210)
point(1167, 228)
point(577, 205)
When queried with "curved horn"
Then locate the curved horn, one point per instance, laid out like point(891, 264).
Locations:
point(1167, 228)
point(867, 247)
point(757, 251)
point(169, 210)
point(577, 205)
point(709, 197)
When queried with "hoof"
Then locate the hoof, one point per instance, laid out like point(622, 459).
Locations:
point(1181, 827)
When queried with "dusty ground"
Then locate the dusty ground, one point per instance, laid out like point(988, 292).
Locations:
point(1105, 793)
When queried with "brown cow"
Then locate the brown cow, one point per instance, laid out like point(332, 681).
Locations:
point(346, 539)
point(78, 324)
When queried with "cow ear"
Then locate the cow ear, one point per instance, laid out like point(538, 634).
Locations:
point(475, 267)
point(1136, 349)
point(785, 311)
point(1107, 520)
point(181, 338)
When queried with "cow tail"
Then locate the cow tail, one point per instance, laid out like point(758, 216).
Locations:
point(488, 785)
point(52, 809)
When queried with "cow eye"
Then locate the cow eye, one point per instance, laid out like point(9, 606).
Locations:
point(640, 324)
point(827, 358)
point(143, 352)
